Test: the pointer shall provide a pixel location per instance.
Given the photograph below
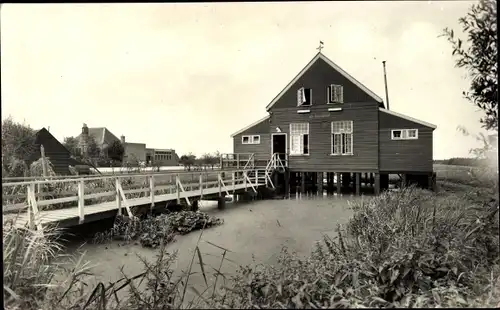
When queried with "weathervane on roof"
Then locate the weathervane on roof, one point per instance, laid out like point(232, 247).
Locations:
point(320, 47)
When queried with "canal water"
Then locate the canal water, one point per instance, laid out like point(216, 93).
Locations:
point(254, 232)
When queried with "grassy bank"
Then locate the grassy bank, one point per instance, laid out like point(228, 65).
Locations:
point(407, 248)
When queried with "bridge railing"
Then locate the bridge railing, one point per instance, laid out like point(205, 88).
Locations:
point(51, 194)
point(237, 160)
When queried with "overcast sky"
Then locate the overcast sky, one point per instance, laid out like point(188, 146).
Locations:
point(186, 76)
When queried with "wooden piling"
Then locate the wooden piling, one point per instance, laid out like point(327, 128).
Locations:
point(287, 182)
point(339, 183)
point(377, 183)
point(302, 182)
point(319, 181)
point(357, 176)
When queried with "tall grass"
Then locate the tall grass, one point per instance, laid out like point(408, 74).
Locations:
point(405, 249)
point(411, 248)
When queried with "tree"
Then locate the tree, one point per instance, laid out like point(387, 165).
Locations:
point(17, 147)
point(211, 159)
point(116, 151)
point(479, 56)
point(187, 161)
point(71, 144)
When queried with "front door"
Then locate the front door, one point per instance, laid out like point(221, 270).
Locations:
point(279, 145)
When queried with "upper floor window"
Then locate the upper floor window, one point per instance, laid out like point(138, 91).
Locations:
point(299, 139)
point(335, 94)
point(404, 134)
point(254, 139)
point(304, 97)
point(342, 132)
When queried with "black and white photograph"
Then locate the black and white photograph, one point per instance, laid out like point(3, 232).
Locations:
point(250, 155)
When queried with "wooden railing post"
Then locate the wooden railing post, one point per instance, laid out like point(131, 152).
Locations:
point(256, 176)
point(30, 206)
point(233, 177)
point(220, 183)
point(81, 200)
point(201, 185)
point(178, 192)
point(238, 161)
point(152, 190)
point(245, 180)
point(118, 198)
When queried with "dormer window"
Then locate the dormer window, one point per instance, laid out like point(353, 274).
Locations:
point(335, 94)
point(304, 97)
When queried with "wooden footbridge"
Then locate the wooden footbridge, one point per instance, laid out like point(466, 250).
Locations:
point(72, 200)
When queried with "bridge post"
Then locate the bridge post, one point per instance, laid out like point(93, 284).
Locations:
point(81, 200)
point(152, 190)
point(233, 178)
point(118, 198)
point(177, 191)
point(32, 198)
point(219, 182)
point(201, 185)
point(30, 211)
point(245, 180)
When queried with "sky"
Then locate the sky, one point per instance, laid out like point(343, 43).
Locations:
point(188, 75)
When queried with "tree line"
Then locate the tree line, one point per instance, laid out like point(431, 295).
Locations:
point(191, 162)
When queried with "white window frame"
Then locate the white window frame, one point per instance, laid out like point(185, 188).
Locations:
point(346, 128)
point(252, 139)
point(301, 93)
point(330, 92)
point(301, 141)
point(405, 134)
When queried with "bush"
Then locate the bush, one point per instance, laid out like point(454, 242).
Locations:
point(404, 249)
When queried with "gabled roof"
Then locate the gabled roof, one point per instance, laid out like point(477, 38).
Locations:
point(251, 125)
point(335, 67)
point(408, 118)
point(101, 135)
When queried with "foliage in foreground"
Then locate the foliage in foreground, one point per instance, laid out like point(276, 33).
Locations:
point(405, 249)
point(479, 56)
point(410, 248)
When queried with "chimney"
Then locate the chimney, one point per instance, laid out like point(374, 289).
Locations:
point(385, 82)
point(122, 138)
point(84, 138)
point(85, 129)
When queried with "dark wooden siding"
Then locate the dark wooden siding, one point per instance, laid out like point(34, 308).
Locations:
point(404, 155)
point(319, 76)
point(263, 149)
point(58, 155)
point(365, 137)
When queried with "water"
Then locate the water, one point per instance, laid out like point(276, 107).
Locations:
point(257, 229)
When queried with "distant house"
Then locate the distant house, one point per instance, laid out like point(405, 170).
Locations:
point(58, 155)
point(162, 157)
point(102, 136)
point(133, 152)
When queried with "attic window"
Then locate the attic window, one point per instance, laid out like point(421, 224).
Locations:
point(335, 93)
point(304, 97)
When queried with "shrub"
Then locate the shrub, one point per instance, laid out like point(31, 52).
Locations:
point(404, 249)
point(30, 268)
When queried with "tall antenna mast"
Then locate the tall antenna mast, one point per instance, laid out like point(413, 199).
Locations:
point(385, 82)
